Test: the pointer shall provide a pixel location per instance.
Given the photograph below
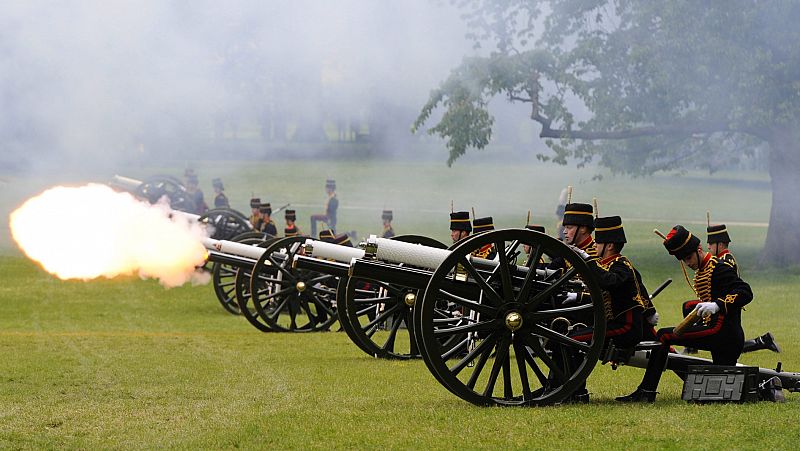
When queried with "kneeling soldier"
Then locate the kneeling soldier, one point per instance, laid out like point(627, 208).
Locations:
point(624, 295)
point(480, 225)
point(267, 224)
point(721, 296)
point(460, 227)
point(255, 213)
point(719, 244)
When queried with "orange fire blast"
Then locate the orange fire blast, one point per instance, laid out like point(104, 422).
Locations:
point(93, 231)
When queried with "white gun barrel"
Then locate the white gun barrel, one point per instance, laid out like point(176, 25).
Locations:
point(232, 247)
point(330, 251)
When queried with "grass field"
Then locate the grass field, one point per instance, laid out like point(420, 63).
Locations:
point(125, 363)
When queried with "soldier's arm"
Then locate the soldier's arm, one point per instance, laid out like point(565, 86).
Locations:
point(731, 290)
point(616, 275)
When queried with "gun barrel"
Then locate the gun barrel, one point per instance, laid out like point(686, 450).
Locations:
point(125, 183)
point(234, 248)
point(232, 260)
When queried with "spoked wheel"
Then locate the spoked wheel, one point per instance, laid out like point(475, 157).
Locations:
point(244, 300)
point(377, 316)
point(289, 299)
point(517, 350)
point(224, 276)
point(158, 186)
point(225, 223)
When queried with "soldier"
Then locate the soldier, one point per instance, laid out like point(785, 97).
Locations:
point(291, 228)
point(331, 206)
point(578, 227)
point(480, 225)
point(721, 296)
point(195, 193)
point(290, 232)
point(267, 224)
point(220, 200)
point(625, 298)
point(527, 249)
point(255, 213)
point(388, 231)
point(460, 227)
point(718, 244)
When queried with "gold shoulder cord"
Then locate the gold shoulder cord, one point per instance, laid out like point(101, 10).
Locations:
point(638, 298)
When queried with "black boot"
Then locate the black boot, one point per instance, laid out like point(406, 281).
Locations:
point(766, 341)
point(640, 395)
point(581, 396)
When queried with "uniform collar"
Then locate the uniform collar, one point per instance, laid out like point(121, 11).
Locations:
point(609, 259)
point(586, 243)
point(723, 253)
point(705, 260)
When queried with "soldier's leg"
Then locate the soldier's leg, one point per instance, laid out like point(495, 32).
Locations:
point(766, 341)
point(314, 219)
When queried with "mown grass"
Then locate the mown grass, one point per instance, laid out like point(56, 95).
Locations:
point(125, 363)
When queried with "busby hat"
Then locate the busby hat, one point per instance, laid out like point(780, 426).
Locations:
point(290, 215)
point(265, 208)
point(459, 220)
point(191, 179)
point(217, 183)
point(343, 239)
point(609, 230)
point(535, 228)
point(579, 215)
point(387, 215)
point(482, 224)
point(255, 202)
point(680, 242)
point(718, 234)
point(290, 231)
point(330, 184)
point(327, 235)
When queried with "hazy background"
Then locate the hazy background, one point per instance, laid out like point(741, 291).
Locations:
point(108, 83)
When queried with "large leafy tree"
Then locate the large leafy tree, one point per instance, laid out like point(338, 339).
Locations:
point(641, 87)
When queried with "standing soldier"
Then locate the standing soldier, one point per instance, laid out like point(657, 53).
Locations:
point(220, 200)
point(255, 213)
point(331, 206)
point(388, 231)
point(721, 297)
point(480, 225)
point(291, 228)
point(460, 227)
point(267, 224)
point(718, 244)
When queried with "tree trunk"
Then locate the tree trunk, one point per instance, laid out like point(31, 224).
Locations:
point(783, 236)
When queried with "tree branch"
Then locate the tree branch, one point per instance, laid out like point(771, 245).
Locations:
point(669, 129)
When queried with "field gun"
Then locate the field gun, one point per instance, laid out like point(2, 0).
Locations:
point(224, 223)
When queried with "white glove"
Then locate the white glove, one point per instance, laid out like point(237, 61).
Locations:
point(581, 253)
point(705, 309)
point(653, 319)
point(571, 297)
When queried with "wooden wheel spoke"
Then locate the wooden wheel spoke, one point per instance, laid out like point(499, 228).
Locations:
point(544, 315)
point(382, 316)
point(380, 300)
point(479, 365)
point(472, 305)
point(524, 292)
point(488, 291)
point(560, 338)
point(549, 291)
point(536, 346)
point(521, 357)
point(505, 271)
point(280, 268)
point(484, 344)
point(475, 327)
point(501, 354)
point(389, 344)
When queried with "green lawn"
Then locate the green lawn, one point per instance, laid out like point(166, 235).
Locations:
point(125, 363)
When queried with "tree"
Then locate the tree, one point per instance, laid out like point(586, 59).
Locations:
point(640, 86)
